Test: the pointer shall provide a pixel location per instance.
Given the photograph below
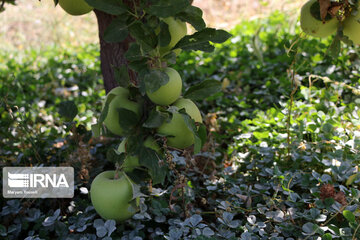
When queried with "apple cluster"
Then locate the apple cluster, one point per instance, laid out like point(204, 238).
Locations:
point(312, 24)
point(174, 128)
point(150, 111)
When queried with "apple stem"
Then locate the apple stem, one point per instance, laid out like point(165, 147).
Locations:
point(116, 175)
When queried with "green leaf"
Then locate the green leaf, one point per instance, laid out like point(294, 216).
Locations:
point(326, 236)
point(95, 128)
point(112, 156)
point(164, 35)
point(349, 216)
point(3, 231)
point(121, 76)
point(203, 90)
point(193, 15)
point(155, 119)
point(68, 110)
point(154, 79)
point(105, 110)
point(327, 128)
point(134, 52)
point(150, 159)
point(166, 8)
point(335, 48)
point(190, 123)
point(113, 7)
point(127, 119)
point(202, 134)
point(201, 40)
point(117, 30)
point(261, 135)
point(144, 35)
point(170, 58)
point(136, 189)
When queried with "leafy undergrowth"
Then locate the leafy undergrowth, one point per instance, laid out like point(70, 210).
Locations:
point(281, 162)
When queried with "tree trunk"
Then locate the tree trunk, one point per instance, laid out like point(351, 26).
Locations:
point(111, 54)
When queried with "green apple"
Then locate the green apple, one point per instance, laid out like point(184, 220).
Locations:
point(119, 101)
point(75, 7)
point(112, 198)
point(190, 108)
point(177, 31)
point(179, 134)
point(131, 162)
point(314, 26)
point(352, 27)
point(168, 93)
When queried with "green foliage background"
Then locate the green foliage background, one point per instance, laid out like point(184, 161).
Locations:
point(250, 187)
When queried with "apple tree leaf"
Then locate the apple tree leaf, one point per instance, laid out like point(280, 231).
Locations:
point(113, 156)
point(127, 119)
point(153, 79)
point(164, 35)
point(170, 58)
point(193, 15)
point(155, 119)
point(105, 110)
point(113, 7)
point(144, 35)
point(203, 90)
point(117, 30)
point(134, 52)
point(150, 159)
point(166, 8)
point(190, 123)
point(121, 76)
point(68, 110)
point(202, 133)
point(201, 40)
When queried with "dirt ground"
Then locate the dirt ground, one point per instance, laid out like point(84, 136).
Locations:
point(38, 24)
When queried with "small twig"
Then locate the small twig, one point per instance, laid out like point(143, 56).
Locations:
point(2, 5)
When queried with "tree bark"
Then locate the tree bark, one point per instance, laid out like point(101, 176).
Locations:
point(111, 54)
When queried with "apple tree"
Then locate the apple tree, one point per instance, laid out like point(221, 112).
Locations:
point(145, 102)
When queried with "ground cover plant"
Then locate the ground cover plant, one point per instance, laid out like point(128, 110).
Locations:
point(280, 163)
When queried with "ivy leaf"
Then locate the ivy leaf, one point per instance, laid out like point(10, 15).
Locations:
point(193, 15)
point(110, 225)
point(166, 8)
point(68, 110)
point(201, 40)
point(203, 90)
point(113, 7)
point(117, 30)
